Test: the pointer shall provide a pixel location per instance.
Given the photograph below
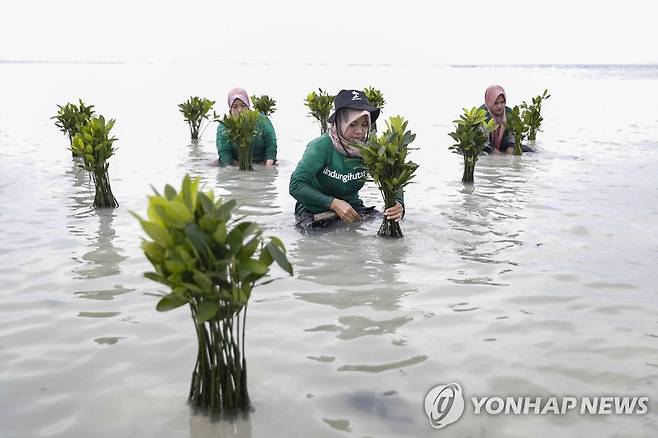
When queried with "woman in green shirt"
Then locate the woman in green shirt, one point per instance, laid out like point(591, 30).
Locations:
point(331, 173)
point(263, 146)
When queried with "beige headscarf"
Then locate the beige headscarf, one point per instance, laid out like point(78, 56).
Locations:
point(343, 119)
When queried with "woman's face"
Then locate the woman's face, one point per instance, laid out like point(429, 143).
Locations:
point(499, 106)
point(358, 129)
point(237, 107)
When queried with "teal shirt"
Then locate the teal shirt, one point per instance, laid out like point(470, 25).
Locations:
point(324, 174)
point(263, 146)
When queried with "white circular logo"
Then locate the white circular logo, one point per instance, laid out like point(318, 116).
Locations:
point(444, 405)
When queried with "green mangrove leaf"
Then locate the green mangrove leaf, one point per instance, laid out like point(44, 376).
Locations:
point(195, 110)
point(264, 104)
point(320, 105)
point(279, 257)
point(158, 233)
point(169, 302)
point(207, 310)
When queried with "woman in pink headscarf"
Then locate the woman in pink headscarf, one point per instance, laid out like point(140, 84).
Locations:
point(500, 140)
point(263, 146)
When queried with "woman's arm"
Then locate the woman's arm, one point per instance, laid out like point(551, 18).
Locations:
point(507, 145)
point(224, 147)
point(301, 179)
point(269, 140)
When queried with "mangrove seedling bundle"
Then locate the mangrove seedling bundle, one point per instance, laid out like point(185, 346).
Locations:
point(376, 99)
point(94, 144)
point(320, 105)
point(471, 132)
point(71, 117)
point(384, 157)
point(211, 263)
point(534, 118)
point(517, 123)
point(195, 110)
point(264, 104)
point(241, 130)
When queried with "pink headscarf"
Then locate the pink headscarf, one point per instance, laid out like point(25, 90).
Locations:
point(343, 119)
point(238, 93)
point(490, 97)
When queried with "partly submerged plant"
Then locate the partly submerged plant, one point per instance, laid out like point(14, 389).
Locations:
point(94, 144)
point(384, 157)
point(264, 104)
point(517, 123)
point(320, 105)
point(241, 129)
point(534, 118)
point(195, 110)
point(471, 132)
point(71, 117)
point(211, 263)
point(375, 97)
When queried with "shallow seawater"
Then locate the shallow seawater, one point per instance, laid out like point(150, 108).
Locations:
point(537, 280)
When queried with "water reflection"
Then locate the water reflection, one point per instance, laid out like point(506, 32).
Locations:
point(104, 257)
point(388, 406)
point(198, 161)
point(380, 413)
point(82, 196)
point(104, 294)
point(255, 191)
point(353, 327)
point(488, 218)
point(203, 426)
point(361, 269)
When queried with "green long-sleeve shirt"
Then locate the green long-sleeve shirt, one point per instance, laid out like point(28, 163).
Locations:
point(263, 146)
point(324, 174)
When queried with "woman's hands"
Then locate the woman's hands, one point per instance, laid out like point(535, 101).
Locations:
point(347, 214)
point(344, 211)
point(394, 213)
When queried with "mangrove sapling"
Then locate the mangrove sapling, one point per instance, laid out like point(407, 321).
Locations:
point(264, 104)
point(195, 110)
point(241, 130)
point(471, 132)
point(517, 124)
point(376, 99)
point(384, 157)
point(320, 105)
point(94, 144)
point(211, 263)
point(71, 117)
point(533, 114)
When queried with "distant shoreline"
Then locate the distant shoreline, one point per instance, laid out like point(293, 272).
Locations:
point(565, 66)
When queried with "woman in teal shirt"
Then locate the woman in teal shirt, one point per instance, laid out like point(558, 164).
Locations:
point(331, 173)
point(263, 146)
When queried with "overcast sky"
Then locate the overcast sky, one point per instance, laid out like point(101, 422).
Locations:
point(403, 31)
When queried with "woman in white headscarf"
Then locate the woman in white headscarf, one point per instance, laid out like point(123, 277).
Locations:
point(331, 173)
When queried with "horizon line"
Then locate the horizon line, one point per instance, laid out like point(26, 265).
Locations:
point(349, 64)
